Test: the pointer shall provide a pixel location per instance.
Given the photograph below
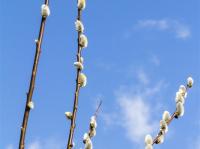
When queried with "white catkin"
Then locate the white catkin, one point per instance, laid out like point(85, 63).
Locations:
point(81, 59)
point(83, 41)
point(68, 115)
point(45, 11)
point(85, 137)
point(166, 116)
point(31, 105)
point(81, 4)
point(148, 139)
point(163, 126)
point(92, 132)
point(179, 109)
point(179, 97)
point(185, 96)
point(182, 90)
point(190, 81)
point(88, 144)
point(79, 26)
point(82, 80)
point(160, 139)
point(78, 65)
point(149, 146)
point(93, 123)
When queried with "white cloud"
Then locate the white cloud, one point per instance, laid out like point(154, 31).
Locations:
point(35, 145)
point(10, 146)
point(181, 31)
point(135, 112)
point(193, 142)
point(159, 24)
point(150, 91)
point(50, 143)
point(197, 143)
point(143, 78)
point(110, 118)
point(155, 60)
point(136, 117)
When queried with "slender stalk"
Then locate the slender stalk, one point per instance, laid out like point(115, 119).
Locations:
point(32, 82)
point(161, 132)
point(174, 116)
point(87, 138)
point(76, 95)
point(97, 110)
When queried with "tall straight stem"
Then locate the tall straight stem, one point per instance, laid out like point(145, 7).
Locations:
point(76, 95)
point(32, 82)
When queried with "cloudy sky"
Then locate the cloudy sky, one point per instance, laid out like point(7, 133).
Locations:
point(139, 53)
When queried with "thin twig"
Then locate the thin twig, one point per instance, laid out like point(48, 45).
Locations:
point(32, 82)
point(76, 95)
point(174, 115)
point(161, 132)
point(98, 108)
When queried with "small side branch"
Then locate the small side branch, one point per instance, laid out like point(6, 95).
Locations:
point(98, 108)
point(155, 141)
point(87, 138)
point(167, 119)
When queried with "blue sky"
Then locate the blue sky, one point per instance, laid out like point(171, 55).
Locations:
point(139, 53)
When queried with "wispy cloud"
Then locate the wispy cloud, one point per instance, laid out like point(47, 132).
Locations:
point(181, 30)
point(35, 145)
point(43, 143)
point(193, 142)
point(143, 78)
point(155, 60)
point(159, 24)
point(134, 110)
point(10, 146)
point(197, 143)
point(136, 117)
point(50, 143)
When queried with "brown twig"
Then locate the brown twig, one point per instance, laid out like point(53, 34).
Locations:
point(174, 115)
point(76, 95)
point(93, 125)
point(32, 82)
point(161, 132)
point(98, 108)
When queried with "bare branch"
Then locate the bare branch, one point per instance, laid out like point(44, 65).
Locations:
point(98, 108)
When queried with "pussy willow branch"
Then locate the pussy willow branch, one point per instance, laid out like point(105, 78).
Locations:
point(160, 133)
point(76, 95)
point(32, 82)
point(174, 115)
